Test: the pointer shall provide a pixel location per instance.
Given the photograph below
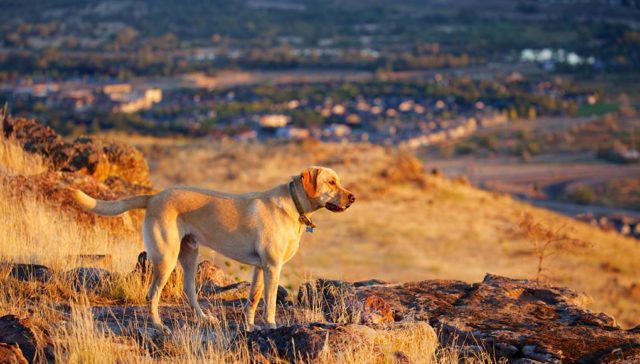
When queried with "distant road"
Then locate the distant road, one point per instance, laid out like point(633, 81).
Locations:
point(575, 209)
point(532, 181)
point(240, 78)
point(224, 79)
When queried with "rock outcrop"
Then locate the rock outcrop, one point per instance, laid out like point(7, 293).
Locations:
point(512, 319)
point(88, 155)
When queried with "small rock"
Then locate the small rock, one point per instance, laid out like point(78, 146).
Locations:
point(230, 292)
point(88, 279)
point(504, 350)
point(11, 354)
point(282, 297)
point(143, 266)
point(401, 358)
point(376, 311)
point(467, 351)
point(143, 270)
point(31, 272)
point(531, 351)
point(209, 272)
point(31, 341)
point(322, 289)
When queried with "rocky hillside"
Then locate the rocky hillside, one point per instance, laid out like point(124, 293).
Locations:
point(83, 309)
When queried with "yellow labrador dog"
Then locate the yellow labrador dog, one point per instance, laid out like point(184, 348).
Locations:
point(262, 229)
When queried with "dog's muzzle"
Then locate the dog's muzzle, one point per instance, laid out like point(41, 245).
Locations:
point(335, 208)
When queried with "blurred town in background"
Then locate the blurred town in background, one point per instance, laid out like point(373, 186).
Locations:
point(534, 98)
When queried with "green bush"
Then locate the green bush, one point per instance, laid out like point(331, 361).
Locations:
point(583, 195)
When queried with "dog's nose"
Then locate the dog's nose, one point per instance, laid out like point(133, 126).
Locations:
point(352, 198)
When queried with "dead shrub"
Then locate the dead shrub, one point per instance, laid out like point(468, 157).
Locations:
point(547, 240)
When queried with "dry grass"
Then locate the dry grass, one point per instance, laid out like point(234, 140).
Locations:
point(14, 161)
point(36, 233)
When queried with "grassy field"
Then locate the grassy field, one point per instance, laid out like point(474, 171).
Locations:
point(598, 109)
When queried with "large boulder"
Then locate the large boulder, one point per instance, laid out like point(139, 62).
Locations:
point(514, 319)
point(35, 344)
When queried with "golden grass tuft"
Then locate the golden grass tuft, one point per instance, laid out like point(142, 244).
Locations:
point(15, 161)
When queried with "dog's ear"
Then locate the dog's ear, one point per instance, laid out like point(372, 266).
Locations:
point(309, 179)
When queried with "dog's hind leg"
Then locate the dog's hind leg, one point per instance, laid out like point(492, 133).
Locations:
point(189, 261)
point(255, 293)
point(162, 242)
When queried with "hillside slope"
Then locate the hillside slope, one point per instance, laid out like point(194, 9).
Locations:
point(409, 225)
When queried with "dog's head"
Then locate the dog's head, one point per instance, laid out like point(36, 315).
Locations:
point(323, 188)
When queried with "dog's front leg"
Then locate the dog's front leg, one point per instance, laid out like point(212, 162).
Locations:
point(271, 278)
point(257, 284)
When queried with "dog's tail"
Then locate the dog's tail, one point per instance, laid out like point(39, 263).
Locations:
point(109, 208)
